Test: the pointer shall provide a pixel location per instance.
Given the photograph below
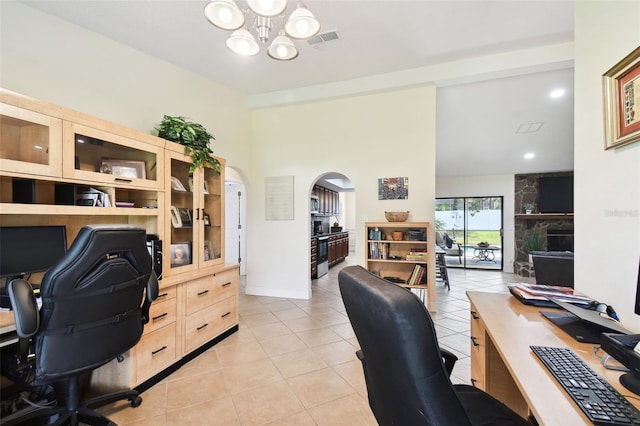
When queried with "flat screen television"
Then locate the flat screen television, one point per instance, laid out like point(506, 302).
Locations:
point(28, 249)
point(555, 194)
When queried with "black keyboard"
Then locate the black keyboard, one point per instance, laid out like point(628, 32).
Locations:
point(597, 399)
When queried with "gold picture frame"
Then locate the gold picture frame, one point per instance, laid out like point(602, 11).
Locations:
point(621, 90)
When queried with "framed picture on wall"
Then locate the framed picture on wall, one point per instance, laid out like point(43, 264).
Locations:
point(621, 87)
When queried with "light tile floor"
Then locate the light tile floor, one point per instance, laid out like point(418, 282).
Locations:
point(293, 362)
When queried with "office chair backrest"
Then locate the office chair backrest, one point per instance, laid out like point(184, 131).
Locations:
point(91, 301)
point(553, 268)
point(406, 380)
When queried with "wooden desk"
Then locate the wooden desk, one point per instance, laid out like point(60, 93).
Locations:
point(7, 329)
point(503, 365)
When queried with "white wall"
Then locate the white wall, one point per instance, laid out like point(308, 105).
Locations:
point(607, 183)
point(486, 186)
point(362, 137)
point(50, 59)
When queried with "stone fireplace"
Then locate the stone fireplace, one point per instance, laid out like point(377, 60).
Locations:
point(557, 229)
point(559, 239)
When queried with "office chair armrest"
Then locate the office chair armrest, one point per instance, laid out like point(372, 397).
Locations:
point(25, 309)
point(151, 295)
point(448, 359)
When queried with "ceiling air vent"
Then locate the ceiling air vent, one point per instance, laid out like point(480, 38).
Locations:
point(322, 38)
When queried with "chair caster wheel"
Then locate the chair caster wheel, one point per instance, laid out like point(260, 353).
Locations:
point(136, 401)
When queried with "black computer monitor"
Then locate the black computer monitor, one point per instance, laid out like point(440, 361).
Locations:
point(28, 249)
point(622, 349)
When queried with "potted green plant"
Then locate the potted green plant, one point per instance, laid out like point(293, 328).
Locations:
point(193, 136)
point(528, 208)
point(533, 241)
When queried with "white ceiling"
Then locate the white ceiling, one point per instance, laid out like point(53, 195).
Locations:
point(476, 122)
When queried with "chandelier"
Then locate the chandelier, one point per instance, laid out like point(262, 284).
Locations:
point(227, 15)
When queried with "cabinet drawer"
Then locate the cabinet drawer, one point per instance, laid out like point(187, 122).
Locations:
point(207, 323)
point(155, 351)
point(161, 314)
point(478, 350)
point(206, 291)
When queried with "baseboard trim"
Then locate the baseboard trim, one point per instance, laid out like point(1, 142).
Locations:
point(185, 359)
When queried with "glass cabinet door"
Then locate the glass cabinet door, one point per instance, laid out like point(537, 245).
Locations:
point(210, 213)
point(30, 142)
point(182, 248)
point(113, 159)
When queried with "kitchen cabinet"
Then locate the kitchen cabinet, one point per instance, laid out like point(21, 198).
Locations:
point(314, 257)
point(328, 201)
point(338, 247)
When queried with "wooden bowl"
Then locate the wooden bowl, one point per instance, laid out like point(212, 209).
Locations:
point(396, 216)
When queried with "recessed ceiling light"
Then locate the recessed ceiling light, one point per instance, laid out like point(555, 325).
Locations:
point(557, 93)
point(529, 155)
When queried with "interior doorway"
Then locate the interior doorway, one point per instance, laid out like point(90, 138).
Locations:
point(470, 231)
point(331, 222)
point(235, 223)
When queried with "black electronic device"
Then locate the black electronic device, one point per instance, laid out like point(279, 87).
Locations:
point(154, 245)
point(28, 249)
point(555, 194)
point(622, 348)
point(584, 325)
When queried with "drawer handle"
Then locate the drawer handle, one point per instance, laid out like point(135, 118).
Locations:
point(202, 326)
point(160, 316)
point(474, 315)
point(225, 315)
point(203, 292)
point(162, 295)
point(123, 180)
point(158, 350)
point(226, 284)
point(474, 340)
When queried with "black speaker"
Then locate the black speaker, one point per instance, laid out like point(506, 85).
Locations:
point(65, 194)
point(154, 245)
point(24, 191)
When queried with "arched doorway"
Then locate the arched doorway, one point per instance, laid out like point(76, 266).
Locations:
point(332, 222)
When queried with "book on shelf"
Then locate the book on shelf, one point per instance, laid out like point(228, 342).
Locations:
point(417, 256)
point(418, 275)
point(378, 250)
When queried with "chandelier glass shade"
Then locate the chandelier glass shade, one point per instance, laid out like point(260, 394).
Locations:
point(282, 48)
point(243, 43)
point(227, 15)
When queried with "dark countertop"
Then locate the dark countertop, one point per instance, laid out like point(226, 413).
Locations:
point(329, 234)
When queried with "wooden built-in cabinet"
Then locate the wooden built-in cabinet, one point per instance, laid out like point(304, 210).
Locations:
point(403, 253)
point(478, 349)
point(51, 157)
point(338, 247)
point(328, 201)
point(314, 257)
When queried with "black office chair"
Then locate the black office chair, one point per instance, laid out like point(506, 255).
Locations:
point(406, 381)
point(553, 268)
point(93, 310)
